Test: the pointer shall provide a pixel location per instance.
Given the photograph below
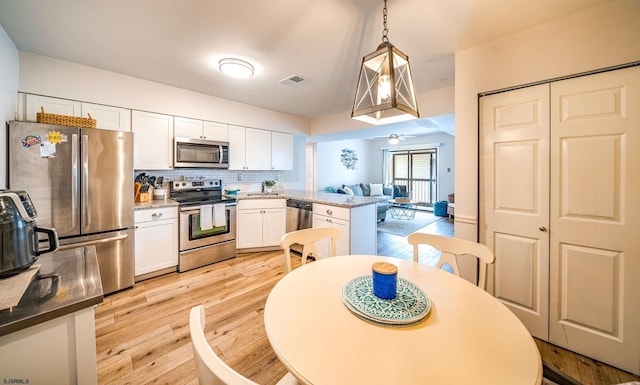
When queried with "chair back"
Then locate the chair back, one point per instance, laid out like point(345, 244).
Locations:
point(210, 368)
point(451, 248)
point(308, 239)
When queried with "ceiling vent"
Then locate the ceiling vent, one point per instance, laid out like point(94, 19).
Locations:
point(292, 81)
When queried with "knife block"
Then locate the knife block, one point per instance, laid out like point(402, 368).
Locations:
point(143, 197)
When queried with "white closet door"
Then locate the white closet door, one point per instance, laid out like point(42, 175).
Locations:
point(514, 195)
point(595, 217)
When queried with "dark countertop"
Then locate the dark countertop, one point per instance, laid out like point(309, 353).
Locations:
point(66, 282)
point(340, 200)
point(153, 204)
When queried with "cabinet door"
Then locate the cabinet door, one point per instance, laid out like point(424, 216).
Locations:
point(108, 117)
point(236, 148)
point(215, 131)
point(153, 141)
point(342, 244)
point(187, 128)
point(156, 246)
point(257, 149)
point(249, 229)
point(51, 106)
point(281, 151)
point(274, 226)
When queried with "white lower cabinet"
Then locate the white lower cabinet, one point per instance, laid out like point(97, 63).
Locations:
point(362, 218)
point(156, 239)
point(61, 351)
point(261, 222)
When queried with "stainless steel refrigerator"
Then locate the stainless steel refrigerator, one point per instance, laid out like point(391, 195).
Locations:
point(81, 183)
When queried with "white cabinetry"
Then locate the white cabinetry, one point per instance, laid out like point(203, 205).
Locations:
point(33, 104)
point(362, 218)
point(59, 352)
point(108, 117)
point(281, 151)
point(261, 222)
point(153, 141)
point(255, 149)
point(156, 239)
point(198, 129)
point(249, 148)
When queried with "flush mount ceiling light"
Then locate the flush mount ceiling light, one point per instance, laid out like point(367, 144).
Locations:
point(385, 91)
point(393, 139)
point(236, 68)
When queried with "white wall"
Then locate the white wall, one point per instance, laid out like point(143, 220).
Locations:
point(52, 77)
point(331, 172)
point(8, 95)
point(601, 37)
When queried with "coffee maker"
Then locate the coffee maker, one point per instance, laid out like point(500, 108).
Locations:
point(19, 243)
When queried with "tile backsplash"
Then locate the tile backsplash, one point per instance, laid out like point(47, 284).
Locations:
point(244, 180)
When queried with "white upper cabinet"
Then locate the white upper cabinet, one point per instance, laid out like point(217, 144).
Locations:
point(249, 148)
point(281, 151)
point(108, 117)
point(198, 129)
point(255, 149)
point(215, 131)
point(153, 141)
point(34, 103)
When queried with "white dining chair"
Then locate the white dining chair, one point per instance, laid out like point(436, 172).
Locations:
point(450, 249)
point(211, 370)
point(308, 238)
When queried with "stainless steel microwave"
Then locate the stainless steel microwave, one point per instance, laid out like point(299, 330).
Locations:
point(189, 152)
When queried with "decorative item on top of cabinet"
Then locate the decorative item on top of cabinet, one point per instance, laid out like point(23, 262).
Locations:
point(199, 129)
point(156, 241)
point(153, 141)
point(33, 104)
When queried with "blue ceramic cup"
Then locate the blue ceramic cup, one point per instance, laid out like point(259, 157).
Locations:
point(385, 280)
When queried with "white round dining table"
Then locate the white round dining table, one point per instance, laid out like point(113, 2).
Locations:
point(468, 337)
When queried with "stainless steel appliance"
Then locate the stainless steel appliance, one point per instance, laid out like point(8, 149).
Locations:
point(299, 216)
point(81, 181)
point(188, 152)
point(19, 234)
point(202, 245)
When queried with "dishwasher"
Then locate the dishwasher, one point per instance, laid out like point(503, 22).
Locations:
point(298, 217)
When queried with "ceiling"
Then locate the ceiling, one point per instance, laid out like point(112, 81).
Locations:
point(174, 42)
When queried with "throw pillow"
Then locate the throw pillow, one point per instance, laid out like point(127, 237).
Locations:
point(329, 189)
point(376, 189)
point(357, 190)
point(347, 190)
point(366, 191)
point(340, 191)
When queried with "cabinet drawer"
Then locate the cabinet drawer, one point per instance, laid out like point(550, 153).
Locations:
point(248, 204)
point(331, 211)
point(155, 214)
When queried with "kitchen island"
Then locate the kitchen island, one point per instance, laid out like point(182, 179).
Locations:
point(49, 337)
point(354, 216)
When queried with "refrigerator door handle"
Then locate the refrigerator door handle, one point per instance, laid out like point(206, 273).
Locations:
point(94, 242)
point(75, 187)
point(86, 213)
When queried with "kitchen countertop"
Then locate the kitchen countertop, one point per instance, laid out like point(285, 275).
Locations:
point(154, 204)
point(340, 200)
point(66, 282)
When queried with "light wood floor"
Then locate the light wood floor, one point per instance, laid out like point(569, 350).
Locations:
point(143, 335)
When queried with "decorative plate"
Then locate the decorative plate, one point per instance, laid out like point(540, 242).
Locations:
point(410, 305)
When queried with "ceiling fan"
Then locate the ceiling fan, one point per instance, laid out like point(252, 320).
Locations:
point(395, 138)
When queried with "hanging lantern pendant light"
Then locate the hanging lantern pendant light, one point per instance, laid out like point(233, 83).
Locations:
point(385, 92)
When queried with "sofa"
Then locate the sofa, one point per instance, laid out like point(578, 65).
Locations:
point(362, 189)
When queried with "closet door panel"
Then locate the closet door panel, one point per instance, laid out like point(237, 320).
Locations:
point(595, 217)
point(514, 196)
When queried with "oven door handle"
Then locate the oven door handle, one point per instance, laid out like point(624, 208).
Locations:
point(192, 211)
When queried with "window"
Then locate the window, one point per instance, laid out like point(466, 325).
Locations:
point(415, 169)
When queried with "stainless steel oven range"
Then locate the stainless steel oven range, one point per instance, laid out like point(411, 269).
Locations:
point(207, 223)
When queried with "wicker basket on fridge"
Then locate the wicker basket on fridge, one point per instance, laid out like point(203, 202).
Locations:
point(64, 120)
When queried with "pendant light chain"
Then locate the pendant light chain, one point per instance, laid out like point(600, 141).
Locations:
point(385, 30)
